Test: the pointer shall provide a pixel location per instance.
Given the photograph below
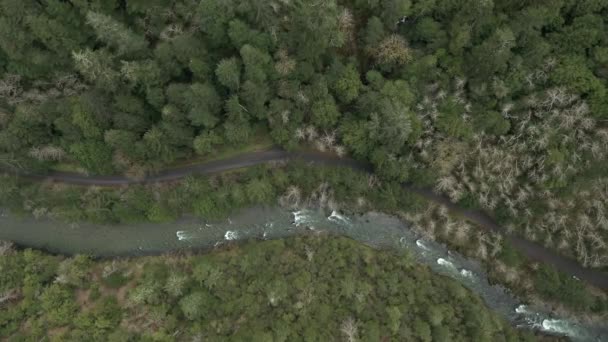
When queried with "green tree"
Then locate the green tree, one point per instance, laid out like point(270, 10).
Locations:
point(237, 127)
point(175, 284)
point(325, 113)
point(392, 125)
point(97, 67)
point(205, 143)
point(228, 73)
point(347, 84)
point(313, 29)
point(192, 305)
point(93, 155)
point(204, 105)
point(58, 303)
point(393, 11)
point(257, 64)
point(115, 34)
point(214, 16)
point(259, 191)
point(422, 330)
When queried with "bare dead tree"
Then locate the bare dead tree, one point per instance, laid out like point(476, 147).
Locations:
point(349, 329)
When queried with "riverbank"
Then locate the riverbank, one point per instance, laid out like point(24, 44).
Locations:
point(296, 184)
point(532, 250)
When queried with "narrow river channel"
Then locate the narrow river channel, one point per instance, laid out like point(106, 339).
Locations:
point(375, 229)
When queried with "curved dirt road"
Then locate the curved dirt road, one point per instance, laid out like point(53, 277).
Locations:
point(533, 250)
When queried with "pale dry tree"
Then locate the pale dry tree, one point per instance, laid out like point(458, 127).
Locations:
point(285, 64)
point(136, 172)
point(462, 231)
point(506, 109)
point(349, 329)
point(550, 63)
point(460, 82)
point(441, 94)
point(446, 183)
point(310, 253)
point(300, 134)
point(319, 145)
point(69, 84)
point(302, 97)
point(285, 116)
point(10, 88)
point(110, 269)
point(171, 32)
point(155, 316)
point(555, 96)
point(373, 181)
point(456, 194)
point(509, 274)
point(329, 139)
point(393, 50)
point(530, 80)
point(130, 71)
point(482, 250)
point(83, 59)
point(121, 160)
point(332, 204)
point(5, 247)
point(311, 133)
point(361, 202)
point(47, 153)
point(346, 24)
point(40, 212)
point(9, 295)
point(292, 196)
point(496, 242)
point(340, 150)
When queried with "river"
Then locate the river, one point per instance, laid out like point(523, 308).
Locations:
point(375, 229)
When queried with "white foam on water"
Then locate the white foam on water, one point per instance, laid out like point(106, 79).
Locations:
point(522, 309)
point(300, 218)
point(557, 326)
point(231, 235)
point(337, 218)
point(531, 318)
point(443, 262)
point(183, 235)
point(466, 273)
point(420, 244)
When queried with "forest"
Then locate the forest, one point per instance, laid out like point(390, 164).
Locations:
point(500, 105)
point(280, 290)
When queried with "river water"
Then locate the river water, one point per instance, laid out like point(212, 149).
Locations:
point(375, 229)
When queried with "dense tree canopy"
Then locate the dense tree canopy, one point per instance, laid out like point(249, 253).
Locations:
point(311, 288)
point(499, 105)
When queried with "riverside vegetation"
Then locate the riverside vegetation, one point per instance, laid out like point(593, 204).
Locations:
point(500, 105)
point(282, 290)
point(298, 185)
